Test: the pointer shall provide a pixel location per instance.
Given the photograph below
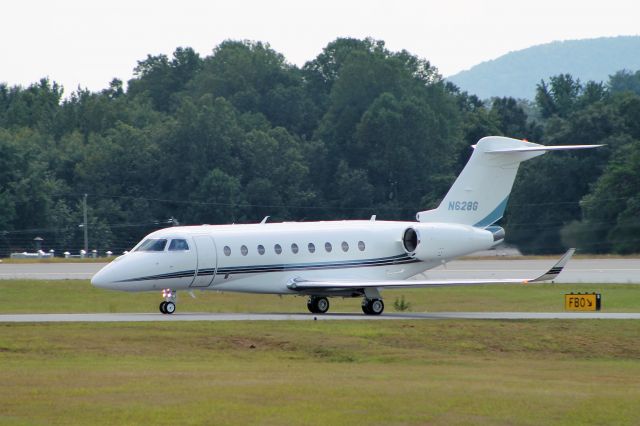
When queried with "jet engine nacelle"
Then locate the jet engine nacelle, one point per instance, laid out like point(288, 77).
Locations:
point(435, 241)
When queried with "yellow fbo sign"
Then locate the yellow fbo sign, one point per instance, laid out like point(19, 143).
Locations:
point(582, 302)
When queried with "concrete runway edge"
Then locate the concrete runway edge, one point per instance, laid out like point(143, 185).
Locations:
point(180, 317)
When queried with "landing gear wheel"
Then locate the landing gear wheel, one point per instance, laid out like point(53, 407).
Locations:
point(163, 307)
point(372, 306)
point(169, 308)
point(318, 305)
point(377, 306)
point(365, 306)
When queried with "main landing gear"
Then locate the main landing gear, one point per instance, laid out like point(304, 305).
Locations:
point(168, 306)
point(372, 306)
point(318, 305)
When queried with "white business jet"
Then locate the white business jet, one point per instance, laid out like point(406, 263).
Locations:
point(351, 258)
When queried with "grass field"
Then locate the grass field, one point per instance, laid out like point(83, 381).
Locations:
point(319, 372)
point(35, 296)
point(440, 372)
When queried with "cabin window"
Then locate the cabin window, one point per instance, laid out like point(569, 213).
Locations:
point(294, 248)
point(345, 246)
point(153, 245)
point(277, 249)
point(312, 248)
point(261, 249)
point(227, 251)
point(327, 247)
point(361, 245)
point(178, 245)
point(244, 250)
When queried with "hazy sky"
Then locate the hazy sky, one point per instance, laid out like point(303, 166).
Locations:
point(87, 43)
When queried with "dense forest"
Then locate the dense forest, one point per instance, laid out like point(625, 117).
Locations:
point(359, 130)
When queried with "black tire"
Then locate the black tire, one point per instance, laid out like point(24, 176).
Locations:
point(311, 305)
point(322, 305)
point(318, 305)
point(376, 306)
point(169, 308)
point(372, 306)
point(162, 307)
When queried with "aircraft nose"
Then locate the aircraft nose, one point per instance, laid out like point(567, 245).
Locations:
point(102, 279)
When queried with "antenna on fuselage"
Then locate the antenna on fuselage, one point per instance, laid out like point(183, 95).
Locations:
point(264, 220)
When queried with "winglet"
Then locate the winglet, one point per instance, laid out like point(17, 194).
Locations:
point(555, 269)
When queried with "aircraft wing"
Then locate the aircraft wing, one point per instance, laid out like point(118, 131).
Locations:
point(302, 285)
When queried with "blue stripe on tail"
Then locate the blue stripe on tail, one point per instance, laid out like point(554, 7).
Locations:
point(494, 216)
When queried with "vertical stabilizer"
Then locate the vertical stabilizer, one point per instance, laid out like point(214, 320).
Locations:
point(479, 195)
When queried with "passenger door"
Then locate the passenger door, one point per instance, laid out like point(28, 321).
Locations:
point(207, 261)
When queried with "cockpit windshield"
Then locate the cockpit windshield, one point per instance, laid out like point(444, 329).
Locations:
point(152, 244)
point(178, 245)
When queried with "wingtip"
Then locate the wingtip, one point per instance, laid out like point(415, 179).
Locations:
point(555, 270)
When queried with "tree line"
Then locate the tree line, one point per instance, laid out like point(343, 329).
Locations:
point(359, 130)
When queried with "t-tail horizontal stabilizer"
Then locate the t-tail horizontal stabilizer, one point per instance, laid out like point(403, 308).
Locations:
point(330, 286)
point(543, 148)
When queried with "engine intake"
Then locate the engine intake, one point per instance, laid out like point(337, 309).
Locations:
point(410, 240)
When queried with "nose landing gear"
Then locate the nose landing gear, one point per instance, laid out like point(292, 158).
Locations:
point(168, 306)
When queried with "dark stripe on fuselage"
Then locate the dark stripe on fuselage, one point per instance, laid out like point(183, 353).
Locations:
point(403, 258)
point(181, 274)
point(254, 269)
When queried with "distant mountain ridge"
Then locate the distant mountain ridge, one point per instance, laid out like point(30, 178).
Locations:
point(517, 73)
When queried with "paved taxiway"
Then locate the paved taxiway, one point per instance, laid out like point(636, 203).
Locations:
point(576, 271)
point(49, 271)
point(39, 318)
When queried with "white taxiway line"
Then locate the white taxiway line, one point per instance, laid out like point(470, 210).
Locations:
point(38, 318)
point(46, 276)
